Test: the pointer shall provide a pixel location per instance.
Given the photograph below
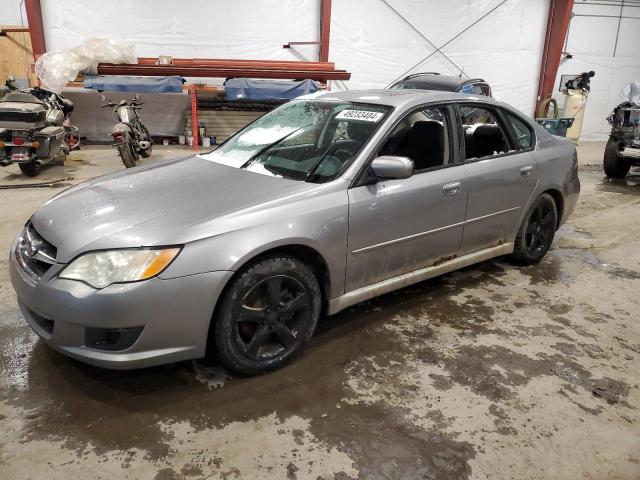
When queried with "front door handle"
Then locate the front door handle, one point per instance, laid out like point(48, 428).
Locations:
point(526, 170)
point(451, 188)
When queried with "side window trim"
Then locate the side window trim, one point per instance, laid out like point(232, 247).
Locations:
point(502, 124)
point(454, 141)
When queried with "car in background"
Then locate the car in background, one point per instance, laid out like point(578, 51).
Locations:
point(327, 201)
point(446, 83)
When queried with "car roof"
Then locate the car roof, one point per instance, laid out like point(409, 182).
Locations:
point(396, 98)
point(450, 81)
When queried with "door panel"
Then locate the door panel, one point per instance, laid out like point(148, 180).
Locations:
point(397, 226)
point(499, 191)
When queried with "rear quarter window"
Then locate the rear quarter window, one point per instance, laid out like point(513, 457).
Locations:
point(522, 132)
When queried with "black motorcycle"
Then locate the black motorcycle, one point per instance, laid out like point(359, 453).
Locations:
point(130, 136)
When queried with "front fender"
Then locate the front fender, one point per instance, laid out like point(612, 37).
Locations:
point(319, 223)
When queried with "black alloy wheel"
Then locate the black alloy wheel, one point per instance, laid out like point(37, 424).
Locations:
point(536, 232)
point(266, 315)
point(271, 317)
point(540, 229)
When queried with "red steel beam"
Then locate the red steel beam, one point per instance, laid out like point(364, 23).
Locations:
point(224, 72)
point(557, 27)
point(325, 29)
point(195, 126)
point(34, 18)
point(270, 64)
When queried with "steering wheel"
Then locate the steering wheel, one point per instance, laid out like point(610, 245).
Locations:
point(343, 154)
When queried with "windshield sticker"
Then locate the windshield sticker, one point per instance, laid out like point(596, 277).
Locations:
point(361, 115)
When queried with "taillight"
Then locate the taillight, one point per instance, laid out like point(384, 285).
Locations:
point(118, 136)
point(18, 141)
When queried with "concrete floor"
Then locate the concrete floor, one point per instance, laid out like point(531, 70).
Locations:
point(490, 372)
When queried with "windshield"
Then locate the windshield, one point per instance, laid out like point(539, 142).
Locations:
point(306, 140)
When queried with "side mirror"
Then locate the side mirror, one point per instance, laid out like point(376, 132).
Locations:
point(388, 166)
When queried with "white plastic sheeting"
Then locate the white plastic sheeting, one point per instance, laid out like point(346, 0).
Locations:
point(592, 41)
point(367, 37)
point(57, 68)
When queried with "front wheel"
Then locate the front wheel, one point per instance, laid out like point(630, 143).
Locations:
point(266, 316)
point(536, 232)
point(615, 166)
point(128, 154)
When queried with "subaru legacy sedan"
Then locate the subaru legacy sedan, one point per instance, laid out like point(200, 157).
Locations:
point(320, 204)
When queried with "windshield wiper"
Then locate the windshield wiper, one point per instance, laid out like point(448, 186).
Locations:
point(318, 162)
point(270, 146)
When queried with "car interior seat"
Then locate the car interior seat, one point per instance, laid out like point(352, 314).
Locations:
point(425, 144)
point(486, 140)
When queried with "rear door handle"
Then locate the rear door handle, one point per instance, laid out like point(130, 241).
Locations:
point(526, 170)
point(451, 188)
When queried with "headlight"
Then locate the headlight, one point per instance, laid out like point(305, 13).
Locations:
point(101, 269)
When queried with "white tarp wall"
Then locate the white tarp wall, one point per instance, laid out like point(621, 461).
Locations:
point(244, 29)
point(592, 42)
point(367, 37)
point(371, 38)
point(10, 13)
point(377, 45)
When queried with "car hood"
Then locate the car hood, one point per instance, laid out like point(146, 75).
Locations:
point(158, 204)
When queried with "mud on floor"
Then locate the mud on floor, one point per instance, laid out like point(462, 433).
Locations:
point(491, 372)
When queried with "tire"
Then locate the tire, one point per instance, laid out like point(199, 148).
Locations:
point(128, 154)
point(29, 169)
point(266, 316)
point(536, 232)
point(147, 153)
point(615, 166)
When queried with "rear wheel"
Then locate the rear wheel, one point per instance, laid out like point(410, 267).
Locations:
point(267, 315)
point(29, 169)
point(615, 166)
point(128, 154)
point(536, 232)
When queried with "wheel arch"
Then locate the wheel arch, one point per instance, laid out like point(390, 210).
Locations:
point(306, 254)
point(559, 201)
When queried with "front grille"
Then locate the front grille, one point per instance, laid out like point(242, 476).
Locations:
point(25, 117)
point(34, 254)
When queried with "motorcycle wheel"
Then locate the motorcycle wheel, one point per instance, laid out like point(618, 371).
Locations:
point(29, 169)
point(128, 154)
point(147, 153)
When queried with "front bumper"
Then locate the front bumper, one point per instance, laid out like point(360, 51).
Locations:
point(174, 314)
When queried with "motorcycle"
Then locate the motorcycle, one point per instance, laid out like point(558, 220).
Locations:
point(130, 136)
point(35, 128)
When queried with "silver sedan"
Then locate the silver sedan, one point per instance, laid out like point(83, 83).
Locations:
point(324, 202)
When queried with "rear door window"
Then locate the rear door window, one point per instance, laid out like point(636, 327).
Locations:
point(483, 134)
